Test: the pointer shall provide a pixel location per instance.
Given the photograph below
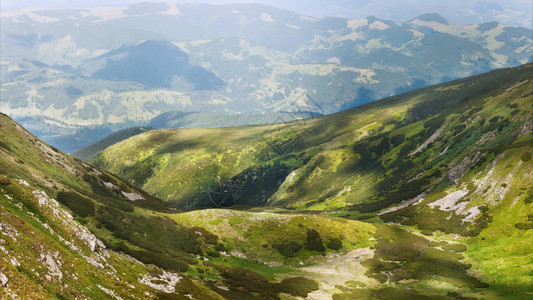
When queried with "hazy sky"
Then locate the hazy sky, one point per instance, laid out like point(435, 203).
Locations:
point(508, 11)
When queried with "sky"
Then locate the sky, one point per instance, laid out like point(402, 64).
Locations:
point(510, 12)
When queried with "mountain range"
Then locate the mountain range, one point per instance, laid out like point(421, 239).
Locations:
point(424, 195)
point(64, 70)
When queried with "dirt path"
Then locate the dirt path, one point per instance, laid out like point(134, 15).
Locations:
point(338, 271)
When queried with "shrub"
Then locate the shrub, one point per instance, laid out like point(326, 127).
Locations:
point(314, 242)
point(335, 244)
point(524, 225)
point(526, 156)
point(5, 181)
point(298, 286)
point(212, 253)
point(397, 140)
point(289, 249)
point(81, 206)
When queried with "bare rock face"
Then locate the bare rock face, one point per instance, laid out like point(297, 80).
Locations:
point(52, 262)
point(92, 241)
point(3, 279)
point(457, 172)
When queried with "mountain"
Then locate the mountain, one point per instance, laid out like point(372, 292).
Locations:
point(69, 230)
point(115, 240)
point(155, 64)
point(92, 150)
point(453, 158)
point(383, 135)
point(179, 119)
point(82, 67)
point(514, 12)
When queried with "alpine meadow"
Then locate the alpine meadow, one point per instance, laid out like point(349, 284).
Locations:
point(367, 149)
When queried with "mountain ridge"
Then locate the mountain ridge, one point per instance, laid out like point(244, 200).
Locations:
point(440, 244)
point(267, 59)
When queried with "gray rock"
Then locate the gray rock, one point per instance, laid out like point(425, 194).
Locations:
point(3, 279)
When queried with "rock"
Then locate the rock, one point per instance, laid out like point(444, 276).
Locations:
point(52, 265)
point(3, 279)
point(457, 172)
point(92, 241)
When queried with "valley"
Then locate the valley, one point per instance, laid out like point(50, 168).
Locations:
point(76, 76)
point(439, 208)
point(343, 150)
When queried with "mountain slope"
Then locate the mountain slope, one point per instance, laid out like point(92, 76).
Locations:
point(60, 248)
point(450, 163)
point(63, 65)
point(103, 238)
point(153, 64)
point(367, 140)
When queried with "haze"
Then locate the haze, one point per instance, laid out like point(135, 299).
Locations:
point(512, 12)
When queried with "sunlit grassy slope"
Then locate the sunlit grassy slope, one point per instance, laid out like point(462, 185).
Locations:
point(451, 162)
point(364, 157)
point(103, 238)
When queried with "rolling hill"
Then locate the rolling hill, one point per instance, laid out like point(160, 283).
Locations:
point(464, 146)
point(448, 160)
point(80, 67)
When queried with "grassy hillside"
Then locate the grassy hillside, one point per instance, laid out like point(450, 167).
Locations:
point(447, 167)
point(69, 230)
point(316, 163)
point(173, 119)
point(90, 151)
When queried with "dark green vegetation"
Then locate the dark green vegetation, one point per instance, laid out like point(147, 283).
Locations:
point(121, 68)
point(451, 160)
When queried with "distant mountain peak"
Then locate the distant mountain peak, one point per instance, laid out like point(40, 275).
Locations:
point(432, 17)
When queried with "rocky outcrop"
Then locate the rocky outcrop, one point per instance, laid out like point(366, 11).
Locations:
point(166, 282)
point(80, 231)
point(452, 202)
point(431, 139)
point(457, 172)
point(3, 279)
point(53, 263)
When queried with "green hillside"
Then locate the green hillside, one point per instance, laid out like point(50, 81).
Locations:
point(69, 230)
point(466, 235)
point(316, 163)
point(450, 163)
